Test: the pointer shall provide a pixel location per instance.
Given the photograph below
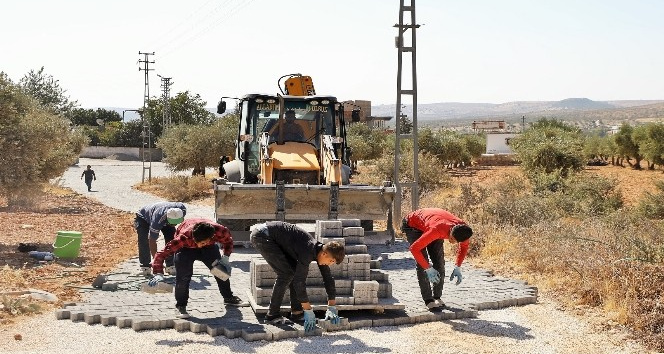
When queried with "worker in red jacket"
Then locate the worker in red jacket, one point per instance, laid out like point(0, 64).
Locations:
point(196, 239)
point(426, 229)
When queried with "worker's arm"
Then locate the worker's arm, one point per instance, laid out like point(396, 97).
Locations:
point(462, 252)
point(299, 284)
point(328, 281)
point(421, 243)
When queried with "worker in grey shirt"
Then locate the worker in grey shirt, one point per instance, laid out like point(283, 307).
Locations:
point(150, 220)
point(289, 250)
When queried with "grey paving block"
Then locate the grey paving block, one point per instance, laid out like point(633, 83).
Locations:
point(91, 318)
point(196, 327)
point(108, 320)
point(283, 332)
point(123, 322)
point(353, 231)
point(360, 322)
point(62, 314)
point(256, 332)
point(181, 325)
point(350, 222)
point(327, 326)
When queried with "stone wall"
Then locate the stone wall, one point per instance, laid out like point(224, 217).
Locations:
point(121, 153)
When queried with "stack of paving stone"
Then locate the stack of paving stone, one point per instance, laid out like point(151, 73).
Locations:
point(359, 282)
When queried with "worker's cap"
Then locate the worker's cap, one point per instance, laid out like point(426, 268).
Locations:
point(174, 216)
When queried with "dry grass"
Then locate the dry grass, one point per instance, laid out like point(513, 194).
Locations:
point(196, 189)
point(609, 260)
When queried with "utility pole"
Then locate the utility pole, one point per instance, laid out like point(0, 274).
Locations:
point(166, 96)
point(523, 124)
point(404, 48)
point(147, 132)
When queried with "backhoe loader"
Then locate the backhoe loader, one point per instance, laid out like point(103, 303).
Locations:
point(292, 163)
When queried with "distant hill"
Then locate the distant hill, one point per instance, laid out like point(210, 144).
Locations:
point(456, 110)
point(583, 108)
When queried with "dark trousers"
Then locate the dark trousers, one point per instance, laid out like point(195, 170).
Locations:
point(433, 252)
point(184, 267)
point(283, 265)
point(143, 230)
point(88, 182)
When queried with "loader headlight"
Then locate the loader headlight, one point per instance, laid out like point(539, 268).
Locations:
point(325, 102)
point(271, 100)
point(259, 100)
point(313, 103)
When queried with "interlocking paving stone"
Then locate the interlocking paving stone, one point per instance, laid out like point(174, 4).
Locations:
point(130, 308)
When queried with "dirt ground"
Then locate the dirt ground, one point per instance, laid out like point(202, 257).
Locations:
point(107, 238)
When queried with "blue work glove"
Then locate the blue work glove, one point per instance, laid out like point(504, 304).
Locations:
point(433, 275)
point(456, 273)
point(309, 320)
point(333, 315)
point(155, 280)
point(226, 262)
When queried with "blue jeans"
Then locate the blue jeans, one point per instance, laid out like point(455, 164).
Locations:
point(184, 268)
point(435, 251)
point(282, 265)
point(143, 230)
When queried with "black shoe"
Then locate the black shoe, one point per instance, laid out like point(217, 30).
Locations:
point(181, 312)
point(277, 320)
point(297, 317)
point(235, 301)
point(440, 302)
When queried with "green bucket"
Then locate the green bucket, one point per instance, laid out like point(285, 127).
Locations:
point(67, 244)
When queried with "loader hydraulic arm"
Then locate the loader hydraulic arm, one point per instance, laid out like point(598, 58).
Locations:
point(331, 163)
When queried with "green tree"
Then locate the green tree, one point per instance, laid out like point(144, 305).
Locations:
point(546, 148)
point(366, 143)
point(47, 91)
point(198, 146)
point(185, 108)
point(83, 116)
point(627, 145)
point(405, 124)
point(36, 144)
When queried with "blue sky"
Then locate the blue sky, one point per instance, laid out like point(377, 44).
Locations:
point(467, 51)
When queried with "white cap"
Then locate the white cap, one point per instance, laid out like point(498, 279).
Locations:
point(174, 216)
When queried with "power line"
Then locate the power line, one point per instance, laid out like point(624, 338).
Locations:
point(216, 23)
point(196, 25)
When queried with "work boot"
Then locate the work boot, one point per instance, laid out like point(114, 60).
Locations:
point(170, 270)
point(296, 317)
point(440, 302)
point(432, 305)
point(145, 271)
point(235, 301)
point(181, 312)
point(277, 320)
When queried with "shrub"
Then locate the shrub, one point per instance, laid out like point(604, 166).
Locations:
point(652, 204)
point(185, 188)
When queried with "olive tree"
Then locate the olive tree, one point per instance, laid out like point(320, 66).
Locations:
point(36, 143)
point(198, 146)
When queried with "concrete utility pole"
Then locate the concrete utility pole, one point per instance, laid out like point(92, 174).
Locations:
point(166, 96)
point(405, 48)
point(147, 133)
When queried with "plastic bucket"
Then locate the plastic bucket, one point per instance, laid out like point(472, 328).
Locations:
point(67, 244)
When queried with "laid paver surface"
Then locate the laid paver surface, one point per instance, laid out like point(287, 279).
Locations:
point(129, 307)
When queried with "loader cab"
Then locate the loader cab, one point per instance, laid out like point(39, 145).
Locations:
point(311, 116)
